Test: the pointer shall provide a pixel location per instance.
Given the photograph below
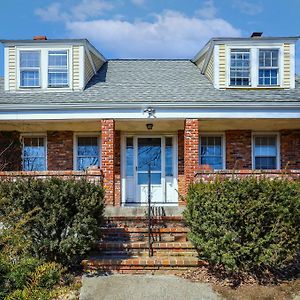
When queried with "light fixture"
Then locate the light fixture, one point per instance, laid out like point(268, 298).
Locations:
point(150, 111)
point(149, 126)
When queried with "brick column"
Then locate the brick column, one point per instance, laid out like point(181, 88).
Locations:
point(290, 149)
point(238, 150)
point(181, 179)
point(108, 159)
point(117, 168)
point(191, 149)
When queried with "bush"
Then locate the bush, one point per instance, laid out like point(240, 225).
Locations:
point(67, 215)
point(245, 225)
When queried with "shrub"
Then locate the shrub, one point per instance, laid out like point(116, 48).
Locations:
point(245, 225)
point(67, 215)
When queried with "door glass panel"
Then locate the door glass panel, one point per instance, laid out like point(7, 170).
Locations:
point(169, 156)
point(129, 156)
point(149, 152)
point(143, 178)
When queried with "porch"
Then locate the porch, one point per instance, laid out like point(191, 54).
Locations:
point(176, 150)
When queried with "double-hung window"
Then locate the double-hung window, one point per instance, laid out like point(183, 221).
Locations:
point(265, 152)
point(87, 152)
point(211, 151)
point(34, 153)
point(240, 67)
point(30, 69)
point(268, 67)
point(58, 68)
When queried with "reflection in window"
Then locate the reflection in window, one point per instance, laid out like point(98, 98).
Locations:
point(34, 154)
point(265, 152)
point(143, 178)
point(149, 152)
point(87, 152)
point(211, 152)
point(129, 156)
point(240, 67)
point(58, 68)
point(169, 156)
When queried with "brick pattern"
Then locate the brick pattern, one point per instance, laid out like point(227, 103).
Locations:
point(60, 150)
point(290, 149)
point(108, 159)
point(10, 151)
point(117, 168)
point(238, 149)
point(181, 179)
point(191, 149)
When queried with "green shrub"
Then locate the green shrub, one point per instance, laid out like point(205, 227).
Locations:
point(245, 225)
point(67, 215)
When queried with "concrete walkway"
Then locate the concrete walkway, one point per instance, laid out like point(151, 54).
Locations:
point(137, 287)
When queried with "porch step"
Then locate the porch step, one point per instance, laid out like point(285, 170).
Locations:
point(136, 263)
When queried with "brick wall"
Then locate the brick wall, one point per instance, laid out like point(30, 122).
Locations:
point(181, 179)
point(10, 151)
point(108, 159)
point(191, 155)
point(60, 150)
point(290, 149)
point(238, 149)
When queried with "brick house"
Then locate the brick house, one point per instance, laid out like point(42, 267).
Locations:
point(65, 107)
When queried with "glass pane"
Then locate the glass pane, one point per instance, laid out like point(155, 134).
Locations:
point(85, 162)
point(58, 59)
point(265, 146)
point(169, 156)
point(143, 178)
point(29, 59)
point(129, 156)
point(87, 146)
point(265, 163)
point(239, 67)
point(149, 152)
point(34, 164)
point(215, 162)
point(57, 78)
point(30, 78)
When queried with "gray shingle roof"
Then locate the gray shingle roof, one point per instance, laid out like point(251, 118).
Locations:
point(149, 81)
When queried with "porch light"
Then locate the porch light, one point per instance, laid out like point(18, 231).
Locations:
point(149, 126)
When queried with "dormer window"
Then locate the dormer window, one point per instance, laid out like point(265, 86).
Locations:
point(58, 69)
point(268, 67)
point(30, 68)
point(240, 67)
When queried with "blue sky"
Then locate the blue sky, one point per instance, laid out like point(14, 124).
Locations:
point(147, 28)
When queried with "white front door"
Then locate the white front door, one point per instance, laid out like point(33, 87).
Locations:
point(160, 155)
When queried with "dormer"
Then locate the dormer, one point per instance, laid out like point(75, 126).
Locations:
point(249, 63)
point(49, 65)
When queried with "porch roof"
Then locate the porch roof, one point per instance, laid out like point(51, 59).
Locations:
point(149, 81)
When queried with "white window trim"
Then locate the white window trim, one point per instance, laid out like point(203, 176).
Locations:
point(35, 135)
point(223, 146)
point(254, 68)
point(268, 133)
point(44, 67)
point(76, 135)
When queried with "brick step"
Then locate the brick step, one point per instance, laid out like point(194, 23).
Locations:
point(144, 253)
point(105, 263)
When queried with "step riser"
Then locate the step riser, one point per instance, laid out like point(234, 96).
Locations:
point(136, 237)
point(145, 253)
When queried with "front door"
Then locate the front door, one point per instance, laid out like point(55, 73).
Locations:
point(160, 155)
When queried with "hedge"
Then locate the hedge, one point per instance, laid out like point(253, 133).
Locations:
point(67, 215)
point(245, 224)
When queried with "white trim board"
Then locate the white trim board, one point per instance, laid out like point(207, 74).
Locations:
point(161, 113)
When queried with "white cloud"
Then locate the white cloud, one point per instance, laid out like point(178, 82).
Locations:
point(248, 7)
point(171, 34)
point(208, 11)
point(138, 2)
point(83, 10)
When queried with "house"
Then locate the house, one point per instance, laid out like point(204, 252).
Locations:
point(235, 105)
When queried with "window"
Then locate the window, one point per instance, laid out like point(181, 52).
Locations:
point(30, 68)
point(268, 67)
point(211, 151)
point(58, 69)
point(87, 152)
point(265, 152)
point(34, 154)
point(240, 67)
